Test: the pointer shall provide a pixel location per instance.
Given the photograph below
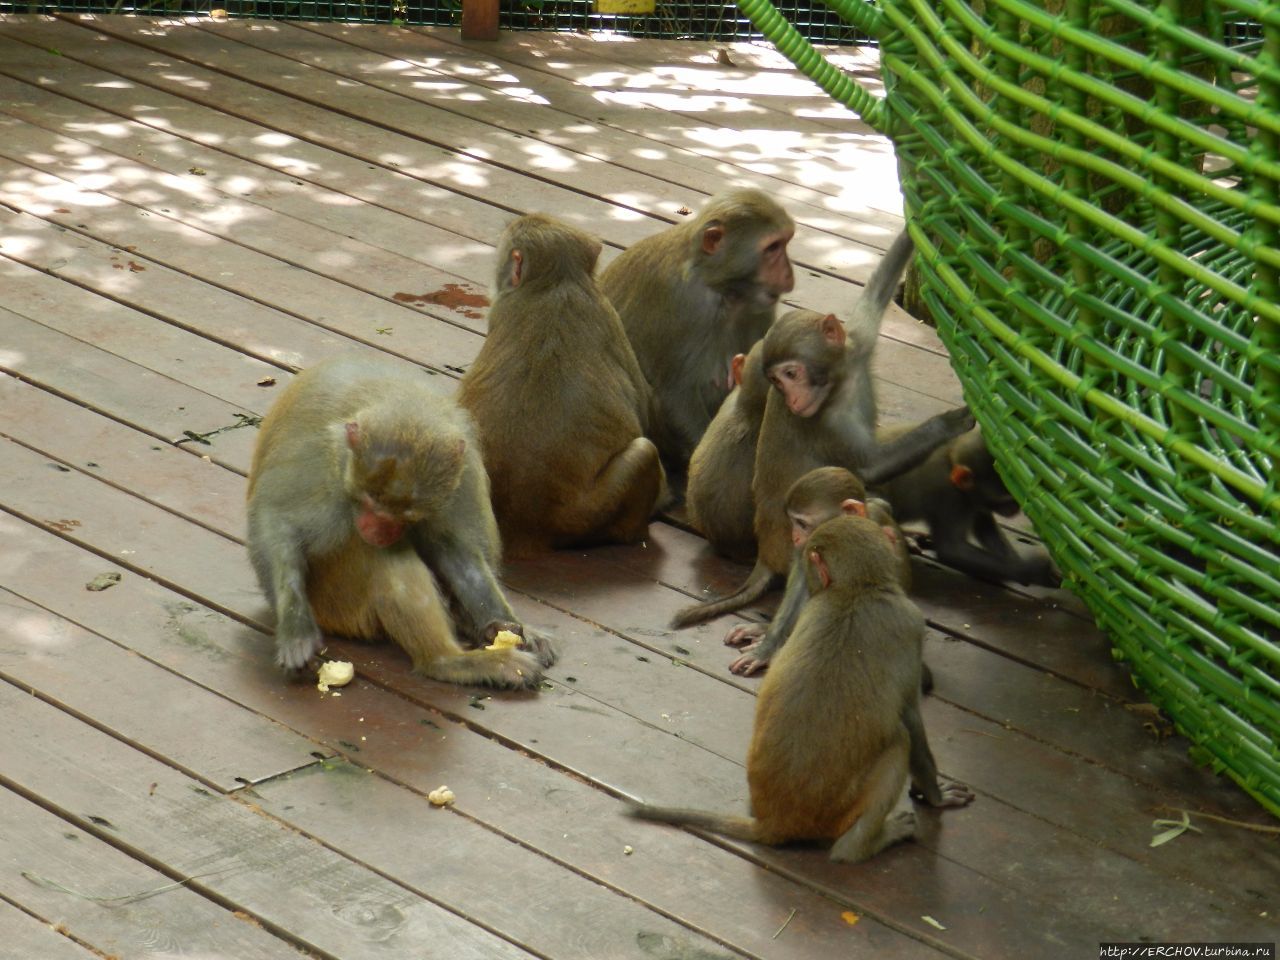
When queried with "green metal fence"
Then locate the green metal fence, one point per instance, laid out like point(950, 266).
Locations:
point(685, 20)
point(1094, 189)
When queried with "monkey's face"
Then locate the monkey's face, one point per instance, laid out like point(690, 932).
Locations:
point(774, 275)
point(804, 394)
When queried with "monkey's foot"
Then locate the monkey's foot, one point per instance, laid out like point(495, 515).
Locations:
point(954, 794)
point(512, 668)
point(748, 665)
point(744, 634)
point(535, 642)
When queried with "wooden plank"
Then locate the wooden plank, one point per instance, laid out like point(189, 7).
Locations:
point(415, 64)
point(893, 362)
point(121, 389)
point(96, 107)
point(608, 756)
point(553, 912)
point(188, 228)
point(28, 937)
point(480, 19)
point(175, 922)
point(616, 221)
point(249, 862)
point(202, 734)
point(135, 89)
point(532, 801)
point(129, 459)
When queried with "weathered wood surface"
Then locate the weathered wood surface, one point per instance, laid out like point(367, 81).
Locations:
point(189, 213)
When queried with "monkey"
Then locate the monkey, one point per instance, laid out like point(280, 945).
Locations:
point(815, 498)
point(718, 495)
point(822, 413)
point(837, 729)
point(369, 517)
point(824, 409)
point(957, 491)
point(691, 298)
point(558, 399)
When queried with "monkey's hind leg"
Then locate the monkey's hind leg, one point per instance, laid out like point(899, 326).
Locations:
point(616, 507)
point(876, 825)
point(407, 602)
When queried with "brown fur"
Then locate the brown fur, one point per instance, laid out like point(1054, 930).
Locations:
point(718, 497)
point(363, 440)
point(694, 296)
point(559, 400)
point(837, 727)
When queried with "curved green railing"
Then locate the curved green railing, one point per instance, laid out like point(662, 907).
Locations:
point(1094, 189)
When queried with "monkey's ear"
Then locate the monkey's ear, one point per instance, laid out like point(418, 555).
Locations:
point(833, 330)
point(517, 267)
point(735, 365)
point(962, 477)
point(711, 238)
point(353, 435)
point(821, 567)
point(853, 508)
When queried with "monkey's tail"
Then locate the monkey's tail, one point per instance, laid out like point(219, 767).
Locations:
point(737, 828)
point(868, 312)
point(760, 582)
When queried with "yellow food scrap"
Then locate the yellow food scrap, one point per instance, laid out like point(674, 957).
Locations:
point(440, 797)
point(334, 673)
point(850, 917)
point(505, 640)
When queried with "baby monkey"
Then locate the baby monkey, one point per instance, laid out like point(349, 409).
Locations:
point(815, 498)
point(368, 507)
point(838, 730)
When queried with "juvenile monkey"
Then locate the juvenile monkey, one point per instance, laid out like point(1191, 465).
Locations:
point(718, 496)
point(837, 724)
point(815, 498)
point(824, 410)
point(824, 413)
point(558, 399)
point(957, 491)
point(369, 513)
point(694, 296)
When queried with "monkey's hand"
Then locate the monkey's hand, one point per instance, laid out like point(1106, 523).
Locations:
point(950, 793)
point(298, 653)
point(748, 665)
point(958, 421)
point(539, 644)
point(745, 633)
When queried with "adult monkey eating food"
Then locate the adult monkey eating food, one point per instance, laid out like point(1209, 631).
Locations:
point(838, 729)
point(369, 516)
point(957, 491)
point(694, 296)
point(559, 400)
point(718, 496)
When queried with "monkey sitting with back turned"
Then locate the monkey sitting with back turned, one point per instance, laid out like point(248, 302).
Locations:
point(368, 507)
point(838, 730)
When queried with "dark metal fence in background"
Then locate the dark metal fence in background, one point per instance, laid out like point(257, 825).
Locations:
point(670, 20)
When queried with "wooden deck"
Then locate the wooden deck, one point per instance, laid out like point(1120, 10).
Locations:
point(190, 213)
